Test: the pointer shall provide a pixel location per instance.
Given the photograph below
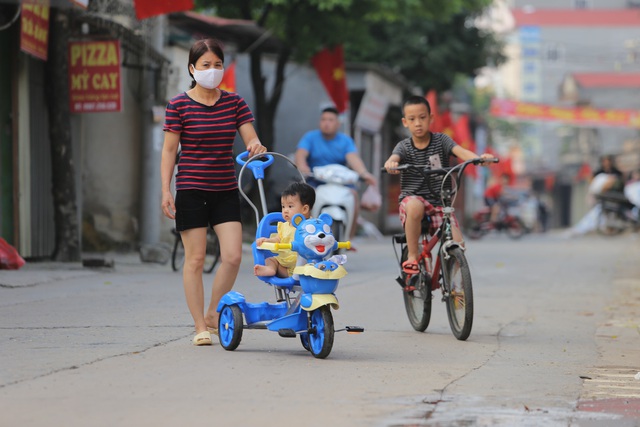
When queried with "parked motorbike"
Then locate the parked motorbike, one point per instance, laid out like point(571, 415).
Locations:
point(617, 214)
point(508, 222)
point(334, 197)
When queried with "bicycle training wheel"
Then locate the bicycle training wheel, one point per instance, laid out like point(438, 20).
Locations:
point(321, 332)
point(177, 256)
point(212, 255)
point(417, 302)
point(457, 283)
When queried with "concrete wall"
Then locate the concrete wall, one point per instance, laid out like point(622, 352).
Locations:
point(110, 152)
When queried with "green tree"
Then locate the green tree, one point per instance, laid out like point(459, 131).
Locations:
point(306, 26)
point(430, 53)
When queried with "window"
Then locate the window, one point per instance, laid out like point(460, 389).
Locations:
point(581, 4)
point(554, 53)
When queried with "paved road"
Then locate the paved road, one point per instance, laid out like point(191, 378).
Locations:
point(555, 342)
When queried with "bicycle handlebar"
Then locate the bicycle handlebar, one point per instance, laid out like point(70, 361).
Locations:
point(443, 171)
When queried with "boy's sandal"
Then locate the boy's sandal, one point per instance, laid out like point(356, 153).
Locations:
point(203, 338)
point(410, 267)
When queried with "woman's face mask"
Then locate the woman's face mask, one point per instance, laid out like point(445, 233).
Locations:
point(209, 78)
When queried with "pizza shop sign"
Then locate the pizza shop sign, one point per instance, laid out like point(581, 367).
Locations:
point(94, 76)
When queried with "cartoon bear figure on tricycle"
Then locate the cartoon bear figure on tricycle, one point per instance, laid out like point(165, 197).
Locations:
point(304, 300)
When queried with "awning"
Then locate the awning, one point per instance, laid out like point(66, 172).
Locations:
point(64, 4)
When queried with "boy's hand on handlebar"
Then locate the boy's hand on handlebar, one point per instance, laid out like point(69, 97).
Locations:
point(488, 158)
point(391, 167)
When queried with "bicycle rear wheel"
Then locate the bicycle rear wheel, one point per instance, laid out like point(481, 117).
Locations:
point(177, 256)
point(417, 302)
point(515, 228)
point(457, 284)
point(212, 255)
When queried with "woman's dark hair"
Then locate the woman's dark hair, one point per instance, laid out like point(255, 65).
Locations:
point(198, 49)
point(416, 100)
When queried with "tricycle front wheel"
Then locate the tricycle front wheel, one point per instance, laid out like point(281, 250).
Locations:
point(230, 327)
point(321, 332)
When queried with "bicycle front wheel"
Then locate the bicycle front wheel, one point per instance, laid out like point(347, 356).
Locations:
point(457, 284)
point(417, 302)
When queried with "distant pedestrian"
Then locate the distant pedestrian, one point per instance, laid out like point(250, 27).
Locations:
point(203, 121)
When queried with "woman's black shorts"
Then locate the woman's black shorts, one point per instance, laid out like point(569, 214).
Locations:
point(198, 208)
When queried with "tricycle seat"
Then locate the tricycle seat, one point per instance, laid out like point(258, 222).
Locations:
point(268, 226)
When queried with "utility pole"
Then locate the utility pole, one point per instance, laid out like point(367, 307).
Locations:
point(151, 194)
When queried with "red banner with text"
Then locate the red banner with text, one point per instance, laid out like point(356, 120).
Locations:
point(94, 76)
point(34, 28)
point(578, 116)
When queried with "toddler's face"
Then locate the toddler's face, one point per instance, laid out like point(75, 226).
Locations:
point(292, 205)
point(417, 119)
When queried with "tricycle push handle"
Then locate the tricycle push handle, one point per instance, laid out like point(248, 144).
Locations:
point(256, 167)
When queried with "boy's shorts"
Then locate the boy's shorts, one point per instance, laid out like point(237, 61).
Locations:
point(198, 208)
point(434, 212)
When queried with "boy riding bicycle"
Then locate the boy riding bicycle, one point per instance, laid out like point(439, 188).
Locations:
point(416, 196)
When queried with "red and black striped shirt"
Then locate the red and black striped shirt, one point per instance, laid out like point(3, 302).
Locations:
point(206, 140)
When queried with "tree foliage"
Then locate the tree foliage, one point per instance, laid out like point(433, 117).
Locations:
point(426, 40)
point(429, 53)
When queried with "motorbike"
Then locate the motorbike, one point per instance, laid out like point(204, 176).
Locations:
point(335, 198)
point(508, 222)
point(616, 213)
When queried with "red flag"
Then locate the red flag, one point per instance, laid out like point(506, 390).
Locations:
point(229, 80)
point(329, 65)
point(149, 8)
point(446, 124)
point(462, 135)
point(436, 123)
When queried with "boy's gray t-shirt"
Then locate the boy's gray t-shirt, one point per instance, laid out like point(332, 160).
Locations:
point(435, 156)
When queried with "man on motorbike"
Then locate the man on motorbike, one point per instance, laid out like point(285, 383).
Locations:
point(326, 145)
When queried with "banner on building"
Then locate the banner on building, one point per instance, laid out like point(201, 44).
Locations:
point(94, 76)
point(34, 28)
point(577, 116)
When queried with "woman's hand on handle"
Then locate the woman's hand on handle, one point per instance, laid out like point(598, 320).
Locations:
point(255, 147)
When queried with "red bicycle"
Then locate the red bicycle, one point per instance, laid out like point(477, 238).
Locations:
point(451, 271)
point(481, 223)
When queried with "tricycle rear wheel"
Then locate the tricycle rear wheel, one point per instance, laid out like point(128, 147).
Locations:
point(230, 327)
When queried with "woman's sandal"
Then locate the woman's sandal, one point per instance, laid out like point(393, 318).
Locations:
point(203, 338)
point(212, 331)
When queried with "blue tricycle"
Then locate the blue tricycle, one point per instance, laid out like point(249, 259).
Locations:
point(304, 300)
